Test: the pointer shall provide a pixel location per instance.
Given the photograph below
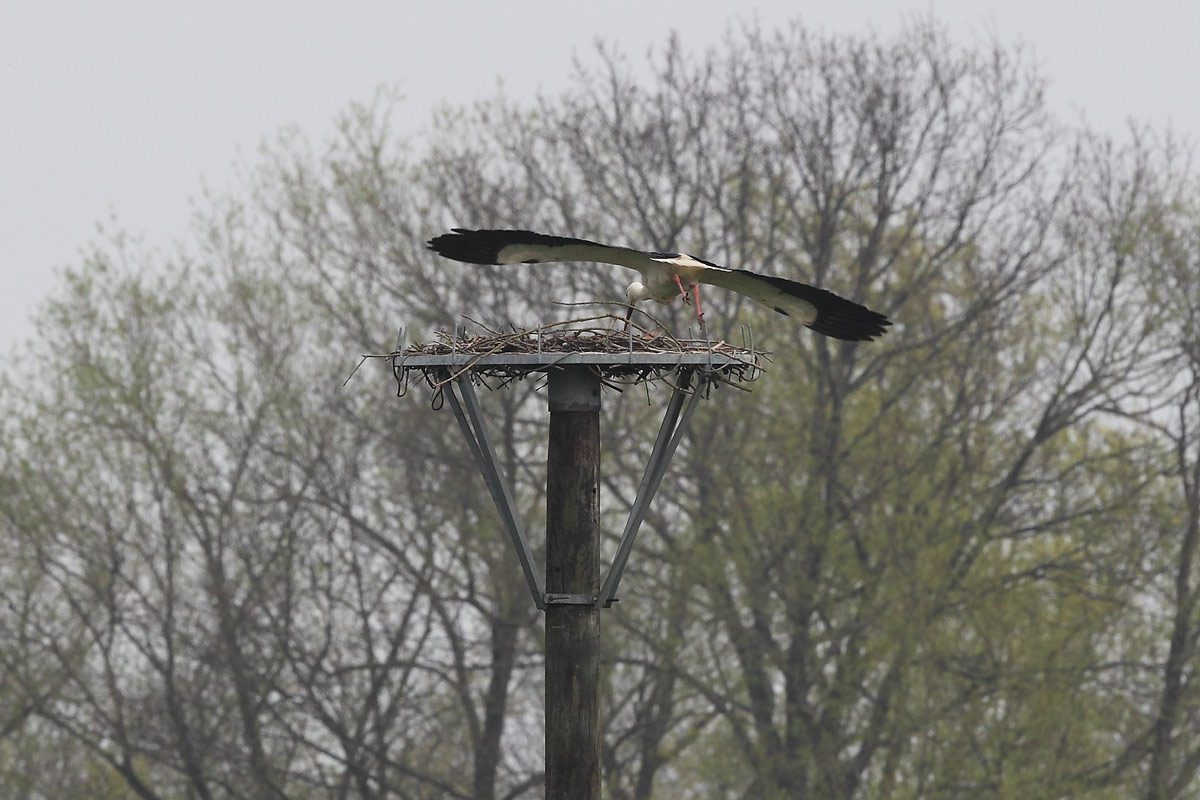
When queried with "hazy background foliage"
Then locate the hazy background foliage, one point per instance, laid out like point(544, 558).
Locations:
point(957, 561)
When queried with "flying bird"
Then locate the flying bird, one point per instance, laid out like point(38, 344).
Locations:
point(666, 276)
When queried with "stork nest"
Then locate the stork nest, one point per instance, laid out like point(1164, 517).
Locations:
point(738, 364)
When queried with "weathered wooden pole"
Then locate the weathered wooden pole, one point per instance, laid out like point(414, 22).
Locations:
point(573, 571)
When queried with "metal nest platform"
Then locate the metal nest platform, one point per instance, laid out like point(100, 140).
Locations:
point(453, 364)
point(618, 357)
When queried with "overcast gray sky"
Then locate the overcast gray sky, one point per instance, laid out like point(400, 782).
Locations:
point(123, 108)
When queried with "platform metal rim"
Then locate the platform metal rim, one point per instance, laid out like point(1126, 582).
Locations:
point(551, 359)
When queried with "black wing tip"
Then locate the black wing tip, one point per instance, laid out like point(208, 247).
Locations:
point(851, 323)
point(483, 246)
point(467, 245)
point(845, 319)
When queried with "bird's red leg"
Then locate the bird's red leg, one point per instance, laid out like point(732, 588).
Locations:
point(699, 313)
point(682, 291)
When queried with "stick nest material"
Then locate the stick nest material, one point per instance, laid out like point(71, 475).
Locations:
point(736, 365)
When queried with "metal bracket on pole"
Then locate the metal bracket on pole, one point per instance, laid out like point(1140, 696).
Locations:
point(472, 424)
point(670, 433)
point(555, 599)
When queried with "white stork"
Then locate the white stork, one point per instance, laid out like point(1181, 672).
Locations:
point(666, 276)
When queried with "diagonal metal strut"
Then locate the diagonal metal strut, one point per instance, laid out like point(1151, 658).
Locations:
point(475, 432)
point(670, 433)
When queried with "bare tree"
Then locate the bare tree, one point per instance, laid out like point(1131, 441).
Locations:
point(1167, 406)
point(927, 182)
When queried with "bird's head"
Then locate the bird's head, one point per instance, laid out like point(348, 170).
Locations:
point(636, 291)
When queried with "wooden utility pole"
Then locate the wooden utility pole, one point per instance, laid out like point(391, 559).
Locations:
point(573, 573)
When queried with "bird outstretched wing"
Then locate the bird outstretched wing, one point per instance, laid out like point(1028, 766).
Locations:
point(819, 309)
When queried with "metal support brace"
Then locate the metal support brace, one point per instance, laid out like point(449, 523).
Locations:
point(472, 424)
point(670, 433)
